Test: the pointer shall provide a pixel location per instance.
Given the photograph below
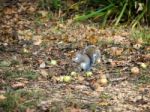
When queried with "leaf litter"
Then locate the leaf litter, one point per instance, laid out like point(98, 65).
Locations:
point(48, 49)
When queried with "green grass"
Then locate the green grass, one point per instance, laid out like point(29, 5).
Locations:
point(103, 42)
point(19, 101)
point(4, 63)
point(104, 96)
point(50, 4)
point(129, 12)
point(10, 103)
point(144, 79)
point(29, 74)
point(15, 62)
point(143, 34)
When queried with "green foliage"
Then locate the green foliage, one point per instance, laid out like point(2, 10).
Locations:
point(132, 12)
point(118, 11)
point(93, 14)
point(144, 34)
point(104, 96)
point(17, 74)
point(18, 101)
point(144, 79)
point(4, 63)
point(50, 4)
point(10, 102)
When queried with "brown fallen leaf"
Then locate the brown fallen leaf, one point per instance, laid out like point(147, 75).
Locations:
point(8, 11)
point(72, 109)
point(140, 41)
point(44, 73)
point(37, 40)
point(95, 86)
point(93, 39)
point(118, 38)
point(43, 13)
point(30, 110)
point(113, 64)
point(2, 91)
point(32, 9)
point(18, 85)
point(80, 78)
point(146, 57)
point(98, 87)
point(42, 65)
point(115, 51)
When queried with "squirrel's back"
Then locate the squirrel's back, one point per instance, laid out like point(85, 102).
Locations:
point(89, 56)
point(93, 52)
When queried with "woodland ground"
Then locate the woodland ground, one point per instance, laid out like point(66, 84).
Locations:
point(36, 53)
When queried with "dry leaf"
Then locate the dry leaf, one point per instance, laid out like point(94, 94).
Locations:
point(139, 41)
point(147, 56)
point(37, 40)
point(32, 9)
point(72, 109)
point(18, 85)
point(80, 78)
point(93, 39)
point(43, 13)
point(44, 73)
point(8, 11)
point(97, 87)
point(30, 110)
point(115, 51)
point(42, 65)
point(118, 39)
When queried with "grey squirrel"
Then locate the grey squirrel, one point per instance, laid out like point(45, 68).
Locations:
point(87, 57)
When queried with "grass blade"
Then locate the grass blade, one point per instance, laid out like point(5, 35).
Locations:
point(121, 14)
point(93, 14)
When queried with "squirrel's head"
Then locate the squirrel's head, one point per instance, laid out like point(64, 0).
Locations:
point(85, 66)
point(78, 58)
